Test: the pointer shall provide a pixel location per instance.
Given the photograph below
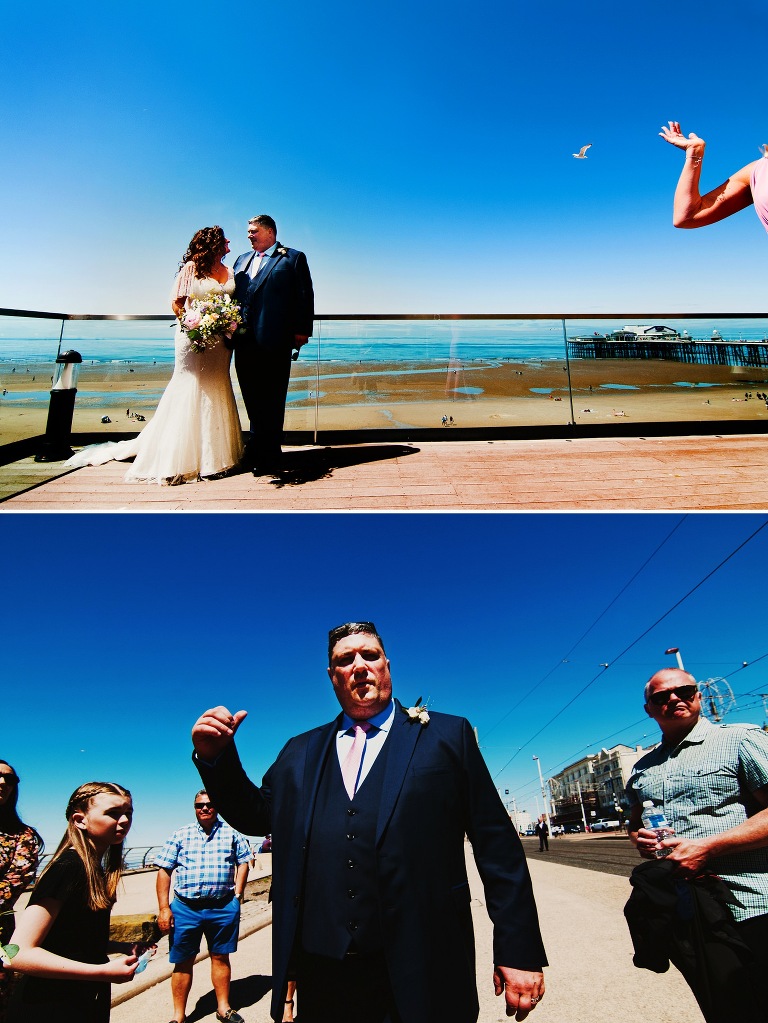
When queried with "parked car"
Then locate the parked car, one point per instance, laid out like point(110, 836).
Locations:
point(530, 832)
point(571, 829)
point(605, 825)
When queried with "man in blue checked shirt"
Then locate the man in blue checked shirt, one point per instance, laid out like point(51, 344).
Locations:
point(712, 783)
point(210, 861)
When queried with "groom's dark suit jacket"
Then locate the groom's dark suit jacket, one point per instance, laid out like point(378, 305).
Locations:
point(436, 788)
point(278, 303)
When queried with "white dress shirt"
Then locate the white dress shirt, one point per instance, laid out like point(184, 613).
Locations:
point(258, 259)
point(374, 742)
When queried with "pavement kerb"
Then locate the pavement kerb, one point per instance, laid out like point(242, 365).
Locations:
point(165, 971)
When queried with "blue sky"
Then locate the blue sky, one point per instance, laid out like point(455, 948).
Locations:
point(419, 153)
point(120, 630)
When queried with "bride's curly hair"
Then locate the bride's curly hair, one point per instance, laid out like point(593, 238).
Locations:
point(206, 247)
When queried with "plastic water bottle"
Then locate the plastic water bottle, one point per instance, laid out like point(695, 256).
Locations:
point(654, 820)
point(143, 961)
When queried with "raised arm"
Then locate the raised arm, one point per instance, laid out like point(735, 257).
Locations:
point(242, 804)
point(691, 209)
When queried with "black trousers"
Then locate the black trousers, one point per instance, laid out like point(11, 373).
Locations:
point(263, 376)
point(354, 989)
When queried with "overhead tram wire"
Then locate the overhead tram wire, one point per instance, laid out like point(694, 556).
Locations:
point(635, 642)
point(572, 757)
point(584, 635)
point(635, 724)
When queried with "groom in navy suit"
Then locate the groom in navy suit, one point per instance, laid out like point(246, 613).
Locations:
point(274, 288)
point(371, 903)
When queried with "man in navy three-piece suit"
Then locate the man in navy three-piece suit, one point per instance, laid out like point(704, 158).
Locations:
point(274, 289)
point(371, 904)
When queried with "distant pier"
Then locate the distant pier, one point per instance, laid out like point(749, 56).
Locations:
point(706, 353)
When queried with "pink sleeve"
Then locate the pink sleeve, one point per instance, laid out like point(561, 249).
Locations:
point(182, 287)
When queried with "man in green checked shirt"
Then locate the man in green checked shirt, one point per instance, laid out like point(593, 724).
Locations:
point(712, 783)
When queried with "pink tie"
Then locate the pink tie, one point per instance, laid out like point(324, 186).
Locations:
point(350, 769)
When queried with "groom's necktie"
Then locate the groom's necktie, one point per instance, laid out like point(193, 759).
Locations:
point(350, 769)
point(256, 265)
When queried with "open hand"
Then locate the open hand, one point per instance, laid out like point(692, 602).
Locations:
point(523, 989)
point(673, 134)
point(214, 731)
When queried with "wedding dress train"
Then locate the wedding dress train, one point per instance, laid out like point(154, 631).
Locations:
point(195, 430)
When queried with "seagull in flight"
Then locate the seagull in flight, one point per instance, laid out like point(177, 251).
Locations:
point(582, 153)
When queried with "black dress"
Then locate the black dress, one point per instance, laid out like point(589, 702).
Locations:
point(78, 932)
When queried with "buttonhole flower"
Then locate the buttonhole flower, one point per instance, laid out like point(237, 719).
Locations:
point(417, 713)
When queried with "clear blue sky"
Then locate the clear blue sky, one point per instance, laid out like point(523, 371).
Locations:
point(120, 630)
point(420, 153)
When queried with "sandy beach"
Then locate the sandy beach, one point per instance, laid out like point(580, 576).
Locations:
point(376, 395)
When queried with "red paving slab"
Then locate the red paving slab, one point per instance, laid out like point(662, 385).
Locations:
point(639, 474)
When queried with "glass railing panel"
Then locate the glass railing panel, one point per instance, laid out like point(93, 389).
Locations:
point(126, 366)
point(678, 370)
point(28, 347)
point(422, 373)
point(401, 373)
point(301, 401)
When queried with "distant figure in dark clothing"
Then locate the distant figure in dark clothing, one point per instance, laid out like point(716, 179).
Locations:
point(542, 830)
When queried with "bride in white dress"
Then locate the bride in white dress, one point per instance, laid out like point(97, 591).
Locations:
point(195, 431)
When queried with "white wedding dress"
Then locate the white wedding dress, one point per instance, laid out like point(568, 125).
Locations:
point(195, 430)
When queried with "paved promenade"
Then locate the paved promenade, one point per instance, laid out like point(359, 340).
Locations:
point(591, 978)
point(618, 473)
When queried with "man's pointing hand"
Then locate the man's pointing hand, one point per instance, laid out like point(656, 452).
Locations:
point(214, 731)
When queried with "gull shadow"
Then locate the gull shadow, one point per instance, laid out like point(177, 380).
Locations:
point(319, 463)
point(243, 993)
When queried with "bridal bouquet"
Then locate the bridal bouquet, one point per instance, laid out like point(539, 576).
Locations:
point(206, 320)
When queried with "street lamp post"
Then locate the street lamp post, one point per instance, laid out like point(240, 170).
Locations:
point(674, 650)
point(544, 796)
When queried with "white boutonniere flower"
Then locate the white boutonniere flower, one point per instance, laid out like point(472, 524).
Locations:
point(282, 251)
point(417, 713)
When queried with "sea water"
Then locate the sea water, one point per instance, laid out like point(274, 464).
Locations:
point(29, 340)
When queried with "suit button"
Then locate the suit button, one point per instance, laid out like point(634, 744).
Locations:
point(350, 837)
point(352, 925)
point(350, 864)
point(295, 900)
point(351, 894)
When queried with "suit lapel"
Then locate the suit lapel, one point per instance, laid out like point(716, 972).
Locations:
point(403, 736)
point(318, 750)
point(266, 268)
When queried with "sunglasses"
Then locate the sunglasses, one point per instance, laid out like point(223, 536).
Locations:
point(663, 696)
point(203, 806)
point(9, 779)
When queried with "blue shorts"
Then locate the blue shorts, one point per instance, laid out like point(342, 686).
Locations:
point(219, 924)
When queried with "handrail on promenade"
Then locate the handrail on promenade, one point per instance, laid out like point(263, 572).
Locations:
point(574, 353)
point(643, 315)
point(134, 857)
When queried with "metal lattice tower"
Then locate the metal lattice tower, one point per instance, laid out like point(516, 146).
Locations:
point(717, 699)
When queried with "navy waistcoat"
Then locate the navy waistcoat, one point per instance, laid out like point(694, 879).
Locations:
point(341, 898)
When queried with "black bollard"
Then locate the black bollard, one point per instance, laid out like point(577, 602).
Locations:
point(58, 430)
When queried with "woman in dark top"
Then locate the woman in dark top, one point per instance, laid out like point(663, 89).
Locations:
point(20, 848)
point(63, 935)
